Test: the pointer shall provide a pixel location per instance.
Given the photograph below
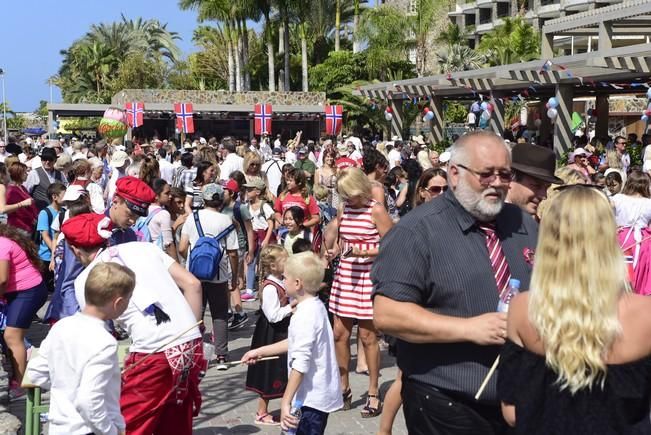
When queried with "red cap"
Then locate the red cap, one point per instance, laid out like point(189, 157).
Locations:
point(87, 230)
point(137, 194)
point(232, 186)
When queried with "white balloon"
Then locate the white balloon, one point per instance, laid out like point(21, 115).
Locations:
point(552, 113)
point(537, 122)
point(429, 115)
point(485, 115)
point(388, 116)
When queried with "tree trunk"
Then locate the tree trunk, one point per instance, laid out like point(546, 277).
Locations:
point(304, 61)
point(281, 38)
point(245, 57)
point(238, 63)
point(337, 23)
point(356, 45)
point(231, 60)
point(286, 43)
point(272, 66)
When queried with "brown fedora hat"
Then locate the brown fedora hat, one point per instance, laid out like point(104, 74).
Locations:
point(535, 161)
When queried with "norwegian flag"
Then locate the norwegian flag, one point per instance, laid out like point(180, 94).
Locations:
point(263, 115)
point(135, 113)
point(184, 121)
point(334, 119)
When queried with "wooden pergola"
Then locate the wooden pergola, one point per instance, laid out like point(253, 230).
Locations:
point(609, 70)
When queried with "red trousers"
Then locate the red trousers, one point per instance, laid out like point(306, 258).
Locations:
point(161, 395)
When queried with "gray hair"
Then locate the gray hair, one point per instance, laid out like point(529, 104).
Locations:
point(459, 150)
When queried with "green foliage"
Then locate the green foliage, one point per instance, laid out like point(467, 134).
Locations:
point(512, 42)
point(138, 72)
point(439, 147)
point(459, 58)
point(17, 122)
point(455, 113)
point(42, 109)
point(91, 64)
point(453, 35)
point(339, 69)
point(636, 153)
point(75, 124)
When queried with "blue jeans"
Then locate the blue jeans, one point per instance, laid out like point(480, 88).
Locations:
point(313, 421)
point(250, 271)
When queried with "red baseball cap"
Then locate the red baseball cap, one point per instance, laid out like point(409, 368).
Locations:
point(87, 230)
point(136, 193)
point(232, 186)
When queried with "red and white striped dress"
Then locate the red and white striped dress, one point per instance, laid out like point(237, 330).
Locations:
point(351, 289)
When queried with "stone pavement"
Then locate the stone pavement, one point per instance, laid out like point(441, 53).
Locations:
point(229, 409)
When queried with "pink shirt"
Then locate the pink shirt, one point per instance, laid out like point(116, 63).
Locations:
point(22, 273)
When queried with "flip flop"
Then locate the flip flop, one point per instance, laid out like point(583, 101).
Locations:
point(260, 419)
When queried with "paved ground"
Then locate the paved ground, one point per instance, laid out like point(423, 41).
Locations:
point(229, 409)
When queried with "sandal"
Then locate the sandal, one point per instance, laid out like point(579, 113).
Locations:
point(348, 399)
point(369, 411)
point(263, 419)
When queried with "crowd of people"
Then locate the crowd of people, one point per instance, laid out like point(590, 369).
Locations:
point(336, 238)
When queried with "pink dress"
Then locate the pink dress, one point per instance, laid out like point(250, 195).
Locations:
point(351, 289)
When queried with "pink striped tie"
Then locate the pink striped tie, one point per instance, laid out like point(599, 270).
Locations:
point(496, 255)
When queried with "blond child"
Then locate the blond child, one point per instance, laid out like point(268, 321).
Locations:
point(78, 359)
point(313, 372)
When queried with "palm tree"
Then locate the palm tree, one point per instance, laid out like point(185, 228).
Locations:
point(453, 35)
point(459, 58)
point(265, 8)
point(337, 23)
point(423, 21)
point(385, 30)
point(221, 11)
point(514, 41)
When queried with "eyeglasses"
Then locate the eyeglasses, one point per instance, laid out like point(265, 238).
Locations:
point(621, 143)
point(435, 190)
point(487, 177)
point(254, 164)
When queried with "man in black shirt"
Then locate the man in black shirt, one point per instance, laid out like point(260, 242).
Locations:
point(436, 290)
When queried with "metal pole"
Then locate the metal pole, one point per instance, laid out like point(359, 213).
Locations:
point(50, 83)
point(4, 105)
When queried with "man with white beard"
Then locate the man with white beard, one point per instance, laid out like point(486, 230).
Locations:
point(437, 282)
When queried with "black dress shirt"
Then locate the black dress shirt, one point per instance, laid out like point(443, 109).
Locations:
point(436, 257)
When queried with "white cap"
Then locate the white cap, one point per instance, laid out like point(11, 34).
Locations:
point(74, 192)
point(119, 158)
point(445, 156)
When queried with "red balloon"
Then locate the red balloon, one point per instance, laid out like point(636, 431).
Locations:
point(426, 109)
point(388, 109)
point(489, 107)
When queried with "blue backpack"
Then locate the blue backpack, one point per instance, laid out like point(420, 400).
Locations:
point(207, 253)
point(141, 228)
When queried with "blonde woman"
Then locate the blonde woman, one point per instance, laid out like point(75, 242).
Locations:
point(578, 355)
point(360, 225)
point(569, 176)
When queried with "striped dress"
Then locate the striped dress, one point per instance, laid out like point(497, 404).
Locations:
point(351, 289)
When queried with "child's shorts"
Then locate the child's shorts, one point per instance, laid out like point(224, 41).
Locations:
point(23, 305)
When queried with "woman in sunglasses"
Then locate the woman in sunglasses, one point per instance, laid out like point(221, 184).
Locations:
point(432, 183)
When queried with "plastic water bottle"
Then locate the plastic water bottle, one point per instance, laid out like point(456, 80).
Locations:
point(296, 412)
point(507, 294)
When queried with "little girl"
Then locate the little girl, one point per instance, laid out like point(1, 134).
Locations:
point(262, 222)
point(293, 220)
point(269, 379)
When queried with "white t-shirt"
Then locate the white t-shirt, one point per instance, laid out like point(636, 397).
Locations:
point(290, 157)
point(472, 118)
point(166, 170)
point(273, 169)
point(161, 223)
point(231, 163)
point(259, 218)
point(632, 211)
point(212, 223)
point(394, 156)
point(154, 285)
point(312, 353)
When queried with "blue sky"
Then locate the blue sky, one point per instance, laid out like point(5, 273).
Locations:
point(34, 31)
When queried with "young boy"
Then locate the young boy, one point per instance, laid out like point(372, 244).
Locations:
point(46, 217)
point(313, 371)
point(78, 359)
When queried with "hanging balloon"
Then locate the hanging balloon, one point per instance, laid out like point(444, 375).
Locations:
point(489, 107)
point(537, 123)
point(552, 113)
point(484, 105)
point(647, 112)
point(429, 116)
point(553, 103)
point(113, 124)
point(426, 109)
point(177, 131)
point(648, 94)
point(388, 116)
point(388, 109)
point(649, 106)
point(485, 115)
point(644, 118)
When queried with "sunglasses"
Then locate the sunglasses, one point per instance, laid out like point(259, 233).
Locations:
point(435, 190)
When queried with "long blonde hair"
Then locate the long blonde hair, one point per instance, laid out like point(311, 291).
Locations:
point(578, 277)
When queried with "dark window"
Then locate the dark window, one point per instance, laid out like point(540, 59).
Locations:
point(485, 15)
point(503, 10)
